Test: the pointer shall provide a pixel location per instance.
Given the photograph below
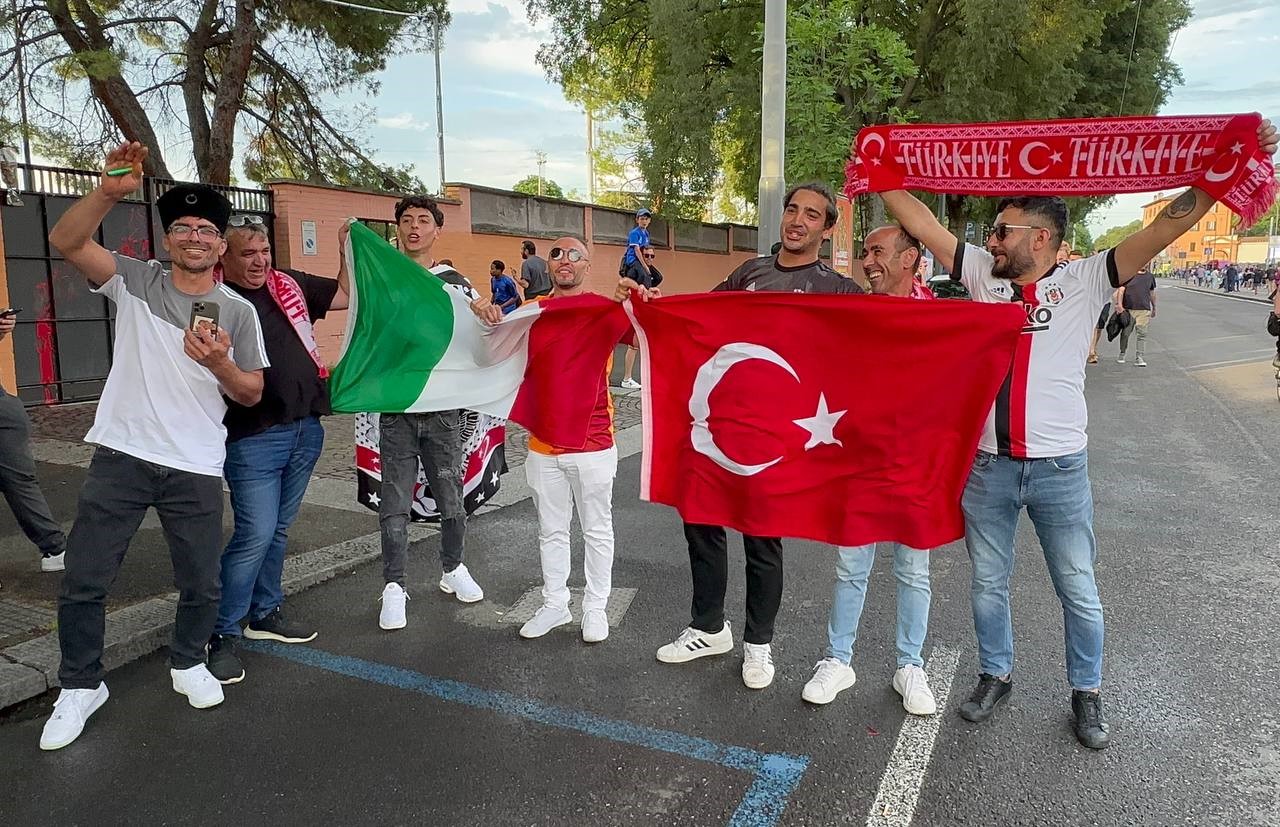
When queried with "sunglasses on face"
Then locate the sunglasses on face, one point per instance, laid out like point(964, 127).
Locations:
point(649, 256)
point(570, 253)
point(246, 221)
point(1001, 231)
point(181, 231)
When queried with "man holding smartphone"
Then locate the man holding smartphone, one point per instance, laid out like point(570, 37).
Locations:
point(158, 431)
point(18, 473)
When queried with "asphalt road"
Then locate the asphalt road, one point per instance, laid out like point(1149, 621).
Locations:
point(456, 720)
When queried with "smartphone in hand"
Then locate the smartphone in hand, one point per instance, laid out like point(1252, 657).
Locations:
point(10, 311)
point(204, 317)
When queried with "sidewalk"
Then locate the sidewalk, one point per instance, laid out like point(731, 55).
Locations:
point(332, 535)
point(1247, 295)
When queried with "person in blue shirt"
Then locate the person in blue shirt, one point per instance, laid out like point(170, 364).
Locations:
point(505, 293)
point(634, 266)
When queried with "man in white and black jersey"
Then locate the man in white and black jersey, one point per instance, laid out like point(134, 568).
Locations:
point(809, 214)
point(182, 341)
point(1032, 453)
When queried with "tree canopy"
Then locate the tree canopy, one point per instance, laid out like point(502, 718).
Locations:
point(529, 186)
point(1114, 235)
point(685, 74)
point(265, 72)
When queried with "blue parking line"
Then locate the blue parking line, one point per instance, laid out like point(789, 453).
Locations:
point(776, 774)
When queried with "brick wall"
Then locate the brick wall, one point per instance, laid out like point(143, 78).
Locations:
point(684, 272)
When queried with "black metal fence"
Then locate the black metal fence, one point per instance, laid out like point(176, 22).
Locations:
point(64, 336)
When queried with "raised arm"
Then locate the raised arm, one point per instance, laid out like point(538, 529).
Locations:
point(73, 234)
point(344, 279)
point(916, 218)
point(1132, 254)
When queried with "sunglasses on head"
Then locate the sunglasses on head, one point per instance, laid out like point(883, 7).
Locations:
point(1001, 231)
point(245, 221)
point(570, 253)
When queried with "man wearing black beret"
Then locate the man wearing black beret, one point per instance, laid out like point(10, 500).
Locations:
point(182, 341)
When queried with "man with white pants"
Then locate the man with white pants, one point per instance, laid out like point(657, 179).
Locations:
point(562, 477)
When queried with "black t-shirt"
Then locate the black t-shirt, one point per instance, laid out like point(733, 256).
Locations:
point(766, 274)
point(291, 388)
point(1138, 290)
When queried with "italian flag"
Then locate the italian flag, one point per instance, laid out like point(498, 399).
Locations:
point(413, 345)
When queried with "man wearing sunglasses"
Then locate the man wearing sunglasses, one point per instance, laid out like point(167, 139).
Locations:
point(808, 217)
point(158, 430)
point(561, 476)
point(272, 446)
point(1033, 452)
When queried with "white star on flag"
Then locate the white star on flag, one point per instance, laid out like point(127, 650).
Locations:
point(494, 479)
point(1056, 157)
point(1237, 148)
point(374, 499)
point(821, 425)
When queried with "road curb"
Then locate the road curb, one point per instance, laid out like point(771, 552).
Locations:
point(1232, 296)
point(29, 669)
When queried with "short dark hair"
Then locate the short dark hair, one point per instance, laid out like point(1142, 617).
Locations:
point(528, 247)
point(833, 212)
point(1050, 208)
point(906, 241)
point(422, 202)
point(498, 263)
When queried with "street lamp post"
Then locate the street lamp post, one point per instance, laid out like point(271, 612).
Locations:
point(435, 37)
point(773, 122)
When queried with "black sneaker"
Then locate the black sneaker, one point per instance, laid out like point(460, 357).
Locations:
point(222, 661)
point(982, 703)
point(276, 627)
point(1091, 724)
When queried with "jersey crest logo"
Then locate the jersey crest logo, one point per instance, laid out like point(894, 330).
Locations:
point(1053, 294)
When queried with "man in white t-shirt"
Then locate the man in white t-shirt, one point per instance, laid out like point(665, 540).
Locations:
point(1032, 453)
point(182, 341)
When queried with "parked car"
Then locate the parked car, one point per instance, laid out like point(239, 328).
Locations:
point(944, 288)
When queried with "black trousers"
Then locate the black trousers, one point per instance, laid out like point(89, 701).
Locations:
point(113, 501)
point(709, 564)
point(18, 478)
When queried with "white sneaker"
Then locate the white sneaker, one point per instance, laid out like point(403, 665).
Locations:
point(595, 626)
point(546, 619)
point(70, 712)
point(757, 665)
point(393, 600)
point(912, 684)
point(630, 384)
point(830, 678)
point(1120, 361)
point(54, 562)
point(460, 582)
point(198, 684)
point(694, 643)
point(1142, 363)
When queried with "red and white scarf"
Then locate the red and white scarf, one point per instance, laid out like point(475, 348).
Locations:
point(289, 297)
point(1216, 153)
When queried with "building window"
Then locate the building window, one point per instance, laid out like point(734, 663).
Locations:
point(384, 229)
point(1210, 226)
point(1195, 228)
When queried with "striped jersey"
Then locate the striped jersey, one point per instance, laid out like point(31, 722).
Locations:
point(1040, 410)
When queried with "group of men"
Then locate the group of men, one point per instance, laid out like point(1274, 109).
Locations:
point(216, 371)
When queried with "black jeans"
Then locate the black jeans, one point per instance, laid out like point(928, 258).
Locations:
point(436, 440)
point(113, 501)
point(709, 563)
point(18, 478)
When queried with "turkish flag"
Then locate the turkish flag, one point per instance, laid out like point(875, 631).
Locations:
point(843, 419)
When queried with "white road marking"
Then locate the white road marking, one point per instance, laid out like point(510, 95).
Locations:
point(895, 804)
point(1244, 360)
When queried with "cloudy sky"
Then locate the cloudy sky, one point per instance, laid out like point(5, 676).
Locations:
point(499, 108)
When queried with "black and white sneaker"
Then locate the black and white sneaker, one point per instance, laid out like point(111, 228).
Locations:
point(694, 643)
point(276, 626)
point(222, 661)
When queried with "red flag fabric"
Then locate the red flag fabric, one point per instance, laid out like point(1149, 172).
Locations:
point(1099, 156)
point(844, 419)
point(569, 346)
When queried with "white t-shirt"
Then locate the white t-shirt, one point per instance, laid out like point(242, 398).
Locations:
point(1040, 410)
point(159, 405)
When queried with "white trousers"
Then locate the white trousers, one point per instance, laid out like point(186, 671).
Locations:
point(558, 483)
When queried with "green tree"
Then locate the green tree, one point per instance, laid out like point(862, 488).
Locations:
point(529, 186)
point(685, 74)
point(1115, 235)
point(261, 71)
point(1264, 225)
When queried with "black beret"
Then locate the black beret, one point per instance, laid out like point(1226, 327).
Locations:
point(194, 201)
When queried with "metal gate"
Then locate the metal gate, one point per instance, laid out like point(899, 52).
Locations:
point(63, 339)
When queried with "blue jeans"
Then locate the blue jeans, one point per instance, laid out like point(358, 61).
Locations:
point(267, 474)
point(853, 567)
point(1059, 501)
